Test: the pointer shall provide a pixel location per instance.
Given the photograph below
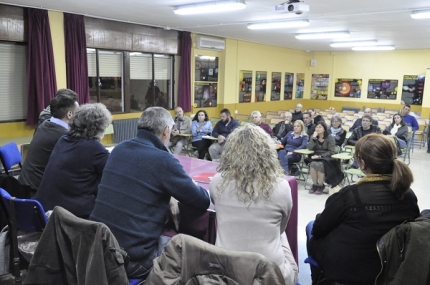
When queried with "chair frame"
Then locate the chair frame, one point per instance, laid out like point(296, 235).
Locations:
point(11, 206)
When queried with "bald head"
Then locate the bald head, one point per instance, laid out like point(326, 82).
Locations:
point(368, 111)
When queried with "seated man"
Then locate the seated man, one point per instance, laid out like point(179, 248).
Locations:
point(357, 122)
point(315, 116)
point(46, 113)
point(281, 129)
point(46, 136)
point(256, 119)
point(298, 115)
point(309, 124)
point(182, 126)
point(221, 131)
point(138, 181)
point(365, 129)
point(409, 119)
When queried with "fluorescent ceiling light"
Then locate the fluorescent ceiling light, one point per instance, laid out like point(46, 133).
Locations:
point(420, 14)
point(354, 44)
point(366, 48)
point(324, 35)
point(210, 7)
point(278, 25)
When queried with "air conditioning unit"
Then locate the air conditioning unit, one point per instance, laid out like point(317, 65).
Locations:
point(210, 43)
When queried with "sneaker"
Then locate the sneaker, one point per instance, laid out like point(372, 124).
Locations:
point(313, 189)
point(319, 190)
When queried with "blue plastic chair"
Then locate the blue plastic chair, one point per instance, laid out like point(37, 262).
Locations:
point(10, 156)
point(22, 214)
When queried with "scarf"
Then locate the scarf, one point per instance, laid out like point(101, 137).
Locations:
point(334, 131)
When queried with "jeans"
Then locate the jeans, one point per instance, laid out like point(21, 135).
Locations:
point(287, 160)
point(141, 270)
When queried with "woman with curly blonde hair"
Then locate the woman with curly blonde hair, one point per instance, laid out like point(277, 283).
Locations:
point(253, 199)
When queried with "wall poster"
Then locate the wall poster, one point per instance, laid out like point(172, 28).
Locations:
point(319, 86)
point(413, 89)
point(276, 86)
point(382, 89)
point(288, 86)
point(347, 87)
point(300, 85)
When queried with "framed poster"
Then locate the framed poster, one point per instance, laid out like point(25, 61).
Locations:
point(347, 87)
point(413, 89)
point(382, 89)
point(288, 86)
point(205, 94)
point(300, 85)
point(245, 86)
point(276, 86)
point(319, 86)
point(260, 86)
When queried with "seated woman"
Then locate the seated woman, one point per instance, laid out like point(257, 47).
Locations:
point(201, 126)
point(345, 233)
point(323, 168)
point(253, 204)
point(399, 129)
point(296, 139)
point(336, 130)
point(76, 164)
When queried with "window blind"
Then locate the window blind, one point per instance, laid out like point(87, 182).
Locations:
point(13, 86)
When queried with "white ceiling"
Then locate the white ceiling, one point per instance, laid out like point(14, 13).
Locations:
point(387, 21)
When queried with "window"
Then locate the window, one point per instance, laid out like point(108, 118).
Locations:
point(106, 84)
point(150, 81)
point(13, 86)
point(149, 76)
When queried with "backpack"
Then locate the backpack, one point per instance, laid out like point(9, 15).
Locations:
point(405, 254)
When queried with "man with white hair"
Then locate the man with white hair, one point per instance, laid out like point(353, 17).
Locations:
point(256, 119)
point(298, 115)
point(138, 181)
point(182, 126)
point(284, 127)
point(358, 123)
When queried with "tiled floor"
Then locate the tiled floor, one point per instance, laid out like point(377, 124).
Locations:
point(310, 205)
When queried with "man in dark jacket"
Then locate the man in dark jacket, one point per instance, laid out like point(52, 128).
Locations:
point(365, 129)
point(46, 136)
point(281, 129)
point(309, 124)
point(357, 122)
point(221, 131)
point(138, 181)
point(298, 115)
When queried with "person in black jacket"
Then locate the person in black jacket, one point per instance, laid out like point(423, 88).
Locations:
point(281, 129)
point(309, 124)
point(298, 115)
point(365, 129)
point(357, 123)
point(336, 130)
point(344, 235)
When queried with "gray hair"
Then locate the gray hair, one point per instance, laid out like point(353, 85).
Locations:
point(288, 114)
point(255, 113)
point(155, 119)
point(336, 117)
point(90, 121)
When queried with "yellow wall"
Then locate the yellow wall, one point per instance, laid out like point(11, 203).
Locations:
point(56, 22)
point(240, 55)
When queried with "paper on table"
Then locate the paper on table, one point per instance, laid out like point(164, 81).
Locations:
point(203, 177)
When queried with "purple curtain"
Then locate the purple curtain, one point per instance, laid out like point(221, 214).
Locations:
point(184, 88)
point(76, 56)
point(41, 81)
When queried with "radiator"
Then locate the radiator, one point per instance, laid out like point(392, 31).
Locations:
point(124, 130)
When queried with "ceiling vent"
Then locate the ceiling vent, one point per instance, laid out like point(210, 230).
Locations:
point(210, 43)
